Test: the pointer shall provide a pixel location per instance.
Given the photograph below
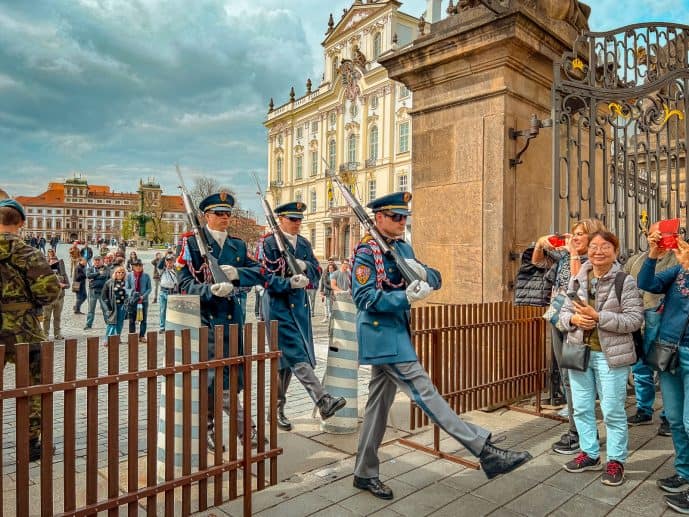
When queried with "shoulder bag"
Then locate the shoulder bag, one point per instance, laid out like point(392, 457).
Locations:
point(663, 355)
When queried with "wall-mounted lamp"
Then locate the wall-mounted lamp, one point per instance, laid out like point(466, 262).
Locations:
point(535, 125)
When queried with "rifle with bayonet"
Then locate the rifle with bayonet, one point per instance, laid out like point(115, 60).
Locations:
point(280, 239)
point(217, 274)
point(405, 270)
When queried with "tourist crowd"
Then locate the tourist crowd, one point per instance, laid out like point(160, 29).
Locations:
point(607, 321)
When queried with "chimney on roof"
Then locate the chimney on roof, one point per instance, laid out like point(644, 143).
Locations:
point(432, 10)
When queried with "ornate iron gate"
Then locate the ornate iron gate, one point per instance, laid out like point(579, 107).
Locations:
point(620, 129)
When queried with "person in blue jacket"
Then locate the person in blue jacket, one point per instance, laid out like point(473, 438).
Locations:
point(383, 300)
point(285, 300)
point(674, 385)
point(219, 303)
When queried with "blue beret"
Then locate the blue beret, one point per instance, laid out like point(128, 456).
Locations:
point(13, 204)
point(294, 209)
point(397, 203)
point(221, 202)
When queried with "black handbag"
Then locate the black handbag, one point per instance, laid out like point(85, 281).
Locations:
point(575, 357)
point(663, 355)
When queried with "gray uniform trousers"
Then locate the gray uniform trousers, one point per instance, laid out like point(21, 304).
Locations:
point(304, 372)
point(412, 380)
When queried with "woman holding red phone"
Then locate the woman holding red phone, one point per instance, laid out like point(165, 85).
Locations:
point(563, 262)
point(674, 283)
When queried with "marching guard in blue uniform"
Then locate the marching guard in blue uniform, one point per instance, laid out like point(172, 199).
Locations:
point(285, 300)
point(219, 301)
point(383, 300)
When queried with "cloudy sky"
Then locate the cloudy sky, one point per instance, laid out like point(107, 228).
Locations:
point(124, 89)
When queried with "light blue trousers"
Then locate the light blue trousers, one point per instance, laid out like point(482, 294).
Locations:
point(611, 385)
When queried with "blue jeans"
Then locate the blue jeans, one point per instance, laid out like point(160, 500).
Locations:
point(115, 329)
point(93, 298)
point(675, 389)
point(162, 300)
point(644, 389)
point(611, 385)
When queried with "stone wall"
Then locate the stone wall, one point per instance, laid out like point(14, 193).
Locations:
point(473, 78)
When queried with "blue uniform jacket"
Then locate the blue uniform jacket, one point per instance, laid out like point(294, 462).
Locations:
point(215, 310)
point(676, 301)
point(382, 321)
point(290, 307)
point(144, 288)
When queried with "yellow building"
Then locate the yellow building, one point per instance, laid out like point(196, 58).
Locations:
point(357, 121)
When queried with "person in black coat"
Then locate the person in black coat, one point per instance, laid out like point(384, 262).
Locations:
point(80, 276)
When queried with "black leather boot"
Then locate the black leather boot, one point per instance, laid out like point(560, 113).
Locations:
point(495, 461)
point(284, 377)
point(283, 421)
point(328, 405)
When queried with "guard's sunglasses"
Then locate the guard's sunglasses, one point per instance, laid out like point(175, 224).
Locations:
point(294, 219)
point(395, 217)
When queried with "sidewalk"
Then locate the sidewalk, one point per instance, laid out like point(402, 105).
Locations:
point(316, 475)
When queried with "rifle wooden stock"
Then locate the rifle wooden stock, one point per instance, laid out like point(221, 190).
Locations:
point(280, 239)
point(217, 274)
point(407, 272)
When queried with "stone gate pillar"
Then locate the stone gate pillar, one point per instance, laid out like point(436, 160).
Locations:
point(479, 72)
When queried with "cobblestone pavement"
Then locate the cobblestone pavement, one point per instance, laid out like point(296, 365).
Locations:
point(73, 327)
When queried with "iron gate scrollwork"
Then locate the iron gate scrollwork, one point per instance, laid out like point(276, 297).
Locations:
point(620, 130)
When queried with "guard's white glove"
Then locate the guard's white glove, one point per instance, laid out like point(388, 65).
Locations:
point(230, 272)
point(301, 264)
point(298, 281)
point(222, 290)
point(418, 290)
point(418, 268)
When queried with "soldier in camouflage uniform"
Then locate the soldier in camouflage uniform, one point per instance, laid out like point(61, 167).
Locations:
point(26, 284)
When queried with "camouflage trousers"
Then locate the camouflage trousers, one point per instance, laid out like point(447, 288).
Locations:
point(34, 378)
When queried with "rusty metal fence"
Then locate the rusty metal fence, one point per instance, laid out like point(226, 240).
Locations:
point(82, 488)
point(479, 356)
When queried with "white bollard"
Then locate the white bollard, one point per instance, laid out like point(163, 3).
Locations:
point(341, 374)
point(183, 311)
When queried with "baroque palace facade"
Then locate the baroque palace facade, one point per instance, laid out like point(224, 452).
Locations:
point(75, 210)
point(355, 123)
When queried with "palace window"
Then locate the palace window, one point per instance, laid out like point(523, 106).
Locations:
point(373, 143)
point(298, 196)
point(280, 140)
point(314, 127)
point(299, 166)
point(278, 170)
point(313, 237)
point(377, 44)
point(300, 132)
point(403, 92)
point(353, 110)
point(371, 190)
point(333, 119)
point(374, 102)
point(332, 155)
point(404, 137)
point(312, 203)
point(402, 182)
point(351, 148)
point(314, 163)
point(334, 68)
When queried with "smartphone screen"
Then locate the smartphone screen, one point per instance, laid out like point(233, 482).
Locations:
point(556, 240)
point(575, 297)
